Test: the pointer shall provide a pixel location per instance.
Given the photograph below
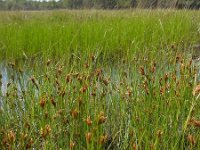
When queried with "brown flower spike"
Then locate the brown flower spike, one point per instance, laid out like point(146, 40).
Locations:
point(88, 121)
point(42, 102)
point(74, 113)
point(191, 139)
point(196, 90)
point(11, 136)
point(194, 122)
point(71, 145)
point(101, 118)
point(88, 137)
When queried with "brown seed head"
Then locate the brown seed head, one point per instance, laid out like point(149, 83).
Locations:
point(103, 139)
point(34, 82)
point(134, 146)
point(11, 136)
point(80, 78)
point(48, 128)
point(60, 112)
point(71, 145)
point(83, 89)
point(195, 122)
point(159, 133)
point(98, 72)
point(174, 77)
point(43, 102)
point(88, 137)
point(162, 91)
point(53, 102)
point(196, 90)
point(33, 79)
point(153, 69)
point(191, 139)
point(106, 81)
point(88, 121)
point(101, 118)
point(142, 72)
point(46, 131)
point(30, 143)
point(128, 92)
point(68, 78)
point(74, 113)
point(166, 77)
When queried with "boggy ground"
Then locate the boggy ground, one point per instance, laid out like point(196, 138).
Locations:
point(130, 83)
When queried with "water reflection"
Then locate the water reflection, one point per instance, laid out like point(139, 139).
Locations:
point(4, 80)
point(19, 81)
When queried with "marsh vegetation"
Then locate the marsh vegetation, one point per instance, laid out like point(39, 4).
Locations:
point(99, 80)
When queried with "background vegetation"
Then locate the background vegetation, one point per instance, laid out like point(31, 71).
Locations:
point(105, 4)
point(112, 35)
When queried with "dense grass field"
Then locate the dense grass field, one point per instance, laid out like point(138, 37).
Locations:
point(94, 79)
point(110, 33)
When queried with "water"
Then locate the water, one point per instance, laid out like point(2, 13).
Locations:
point(20, 80)
point(4, 82)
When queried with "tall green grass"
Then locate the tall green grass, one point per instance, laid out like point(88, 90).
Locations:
point(122, 33)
